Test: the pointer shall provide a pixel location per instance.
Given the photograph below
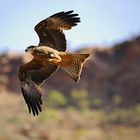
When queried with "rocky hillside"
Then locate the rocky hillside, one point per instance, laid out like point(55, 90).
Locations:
point(110, 72)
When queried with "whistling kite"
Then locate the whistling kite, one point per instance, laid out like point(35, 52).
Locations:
point(49, 55)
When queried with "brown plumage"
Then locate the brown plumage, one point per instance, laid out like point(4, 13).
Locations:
point(49, 55)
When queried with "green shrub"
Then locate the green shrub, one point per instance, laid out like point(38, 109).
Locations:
point(56, 99)
point(117, 100)
point(96, 102)
point(79, 99)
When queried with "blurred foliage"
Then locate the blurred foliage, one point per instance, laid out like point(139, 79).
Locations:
point(79, 99)
point(117, 100)
point(3, 79)
point(56, 99)
point(69, 123)
point(96, 102)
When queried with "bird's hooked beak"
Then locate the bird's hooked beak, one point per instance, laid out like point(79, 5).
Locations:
point(30, 49)
point(26, 50)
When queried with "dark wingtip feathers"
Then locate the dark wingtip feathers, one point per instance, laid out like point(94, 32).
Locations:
point(33, 102)
point(69, 12)
point(59, 14)
point(68, 17)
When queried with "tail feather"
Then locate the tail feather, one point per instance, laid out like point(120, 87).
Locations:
point(73, 64)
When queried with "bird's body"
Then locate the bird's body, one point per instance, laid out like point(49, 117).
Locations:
point(48, 56)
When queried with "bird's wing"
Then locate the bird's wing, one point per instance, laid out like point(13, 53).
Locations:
point(31, 76)
point(50, 29)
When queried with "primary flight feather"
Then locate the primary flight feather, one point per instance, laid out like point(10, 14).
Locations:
point(48, 56)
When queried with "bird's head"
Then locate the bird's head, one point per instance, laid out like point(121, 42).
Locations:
point(30, 49)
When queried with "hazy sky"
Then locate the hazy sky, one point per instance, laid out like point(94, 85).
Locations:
point(103, 21)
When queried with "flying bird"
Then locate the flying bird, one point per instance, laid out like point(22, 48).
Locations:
point(48, 56)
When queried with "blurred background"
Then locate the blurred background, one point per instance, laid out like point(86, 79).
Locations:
point(105, 104)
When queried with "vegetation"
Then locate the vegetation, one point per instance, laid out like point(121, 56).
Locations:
point(56, 99)
point(60, 121)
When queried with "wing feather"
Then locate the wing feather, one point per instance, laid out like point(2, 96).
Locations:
point(32, 95)
point(50, 29)
point(31, 76)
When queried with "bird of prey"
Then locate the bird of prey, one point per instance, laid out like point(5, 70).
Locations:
point(48, 56)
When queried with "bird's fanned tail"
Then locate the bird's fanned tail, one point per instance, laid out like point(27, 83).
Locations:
point(73, 64)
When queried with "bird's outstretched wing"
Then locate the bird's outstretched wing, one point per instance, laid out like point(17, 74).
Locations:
point(50, 29)
point(31, 76)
